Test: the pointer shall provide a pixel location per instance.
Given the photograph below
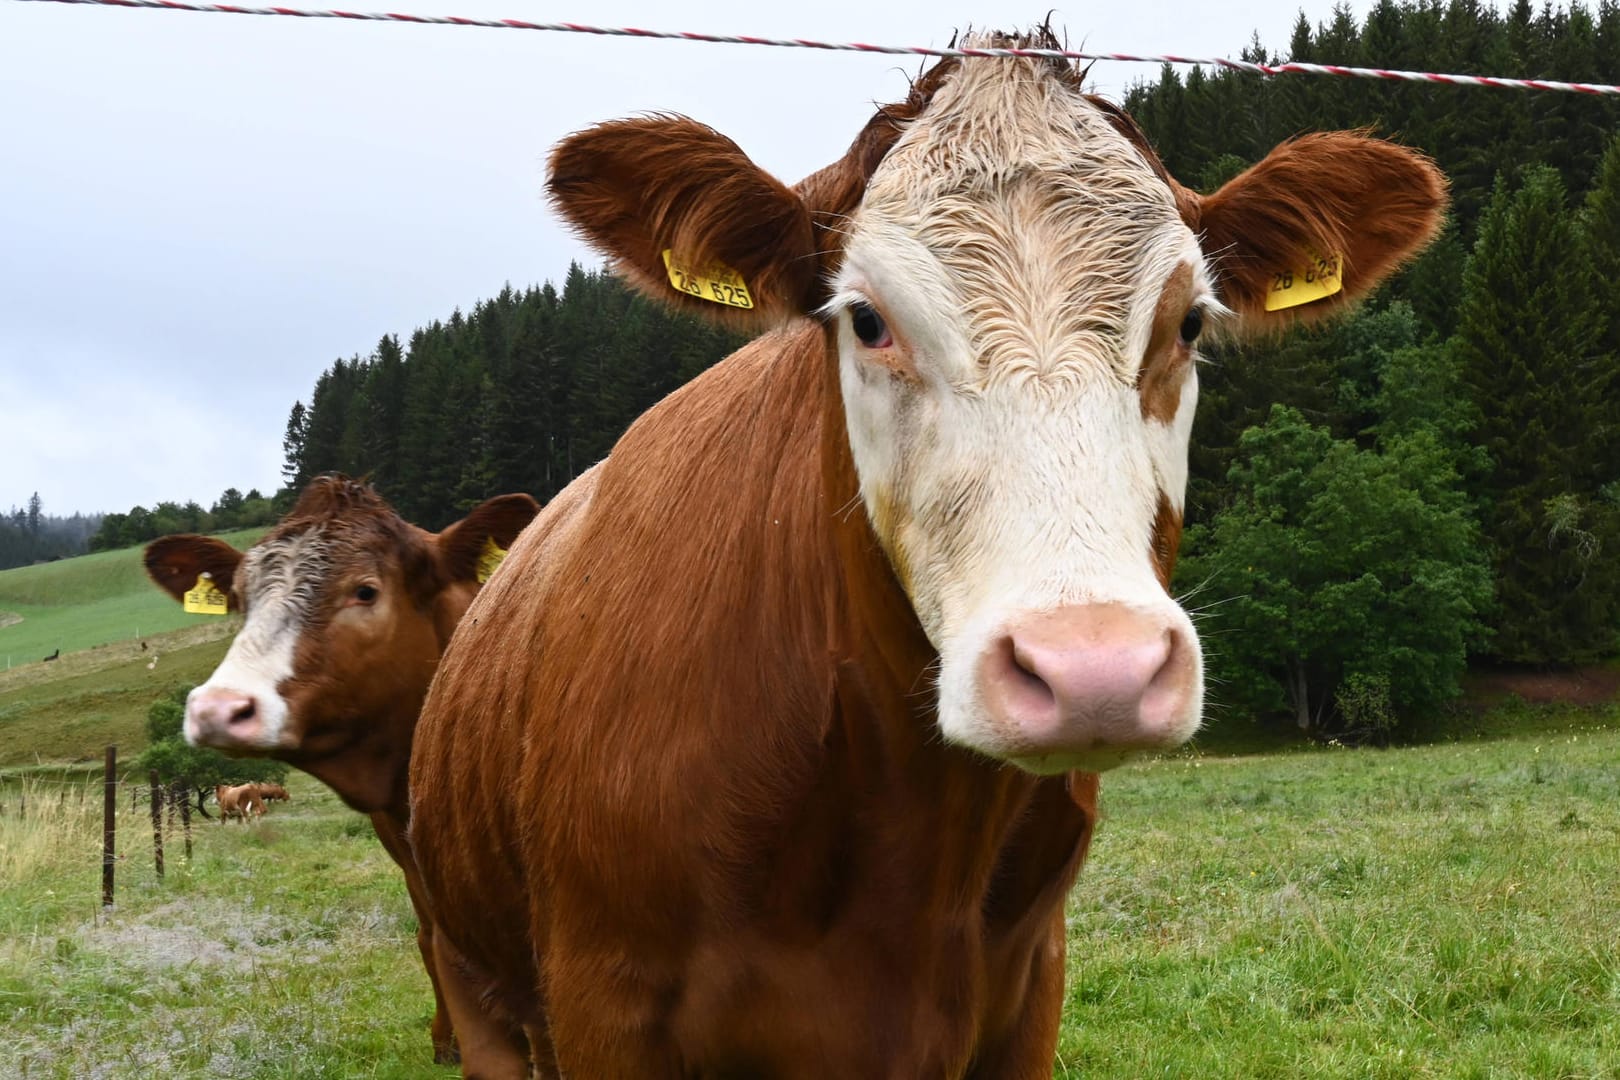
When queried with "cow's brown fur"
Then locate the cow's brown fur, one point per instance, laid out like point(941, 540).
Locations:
point(358, 703)
point(696, 819)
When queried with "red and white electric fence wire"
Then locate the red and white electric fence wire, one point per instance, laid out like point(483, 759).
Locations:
point(900, 50)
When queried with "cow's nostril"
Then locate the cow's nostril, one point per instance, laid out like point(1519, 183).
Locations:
point(245, 711)
point(1024, 667)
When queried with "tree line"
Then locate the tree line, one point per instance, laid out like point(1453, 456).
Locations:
point(232, 510)
point(29, 535)
point(523, 393)
point(1371, 504)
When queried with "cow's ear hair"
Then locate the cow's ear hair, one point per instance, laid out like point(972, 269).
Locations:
point(175, 562)
point(1368, 202)
point(464, 545)
point(636, 189)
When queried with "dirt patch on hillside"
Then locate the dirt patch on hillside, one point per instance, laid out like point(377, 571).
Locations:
point(9, 618)
point(1576, 686)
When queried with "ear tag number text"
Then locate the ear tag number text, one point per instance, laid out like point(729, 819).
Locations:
point(718, 284)
point(1320, 278)
point(204, 598)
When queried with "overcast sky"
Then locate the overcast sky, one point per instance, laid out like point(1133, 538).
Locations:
point(199, 213)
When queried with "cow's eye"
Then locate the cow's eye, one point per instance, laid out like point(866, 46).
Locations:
point(1192, 325)
point(869, 326)
point(366, 594)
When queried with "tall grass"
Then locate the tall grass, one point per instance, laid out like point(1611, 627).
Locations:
point(46, 824)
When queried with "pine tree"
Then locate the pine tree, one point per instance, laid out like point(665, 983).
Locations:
point(1527, 333)
point(293, 468)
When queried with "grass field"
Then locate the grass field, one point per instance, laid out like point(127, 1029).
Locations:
point(1438, 911)
point(93, 600)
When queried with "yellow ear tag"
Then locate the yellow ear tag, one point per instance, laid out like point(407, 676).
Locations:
point(719, 284)
point(489, 559)
point(205, 599)
point(1319, 279)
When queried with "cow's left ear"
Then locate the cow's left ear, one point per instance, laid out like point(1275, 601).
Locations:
point(1275, 233)
point(466, 545)
point(175, 562)
point(688, 219)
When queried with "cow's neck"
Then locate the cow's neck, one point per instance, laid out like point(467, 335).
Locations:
point(370, 774)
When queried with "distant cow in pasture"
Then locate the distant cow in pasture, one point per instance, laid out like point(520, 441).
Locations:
point(271, 792)
point(53, 656)
point(348, 608)
point(773, 749)
point(239, 801)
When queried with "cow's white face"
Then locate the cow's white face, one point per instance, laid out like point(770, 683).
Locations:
point(278, 582)
point(1012, 315)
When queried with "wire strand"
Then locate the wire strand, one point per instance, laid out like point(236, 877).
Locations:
point(1291, 68)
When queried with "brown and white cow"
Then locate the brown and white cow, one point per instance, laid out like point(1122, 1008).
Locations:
point(773, 750)
point(240, 801)
point(348, 608)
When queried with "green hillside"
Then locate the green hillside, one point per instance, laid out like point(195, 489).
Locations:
point(89, 601)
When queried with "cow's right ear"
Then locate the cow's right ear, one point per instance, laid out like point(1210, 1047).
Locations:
point(464, 546)
point(689, 219)
point(175, 563)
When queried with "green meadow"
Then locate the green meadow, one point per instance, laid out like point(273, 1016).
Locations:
point(1438, 910)
point(92, 601)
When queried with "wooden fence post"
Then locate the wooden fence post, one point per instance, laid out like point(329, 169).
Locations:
point(109, 818)
point(157, 821)
point(183, 797)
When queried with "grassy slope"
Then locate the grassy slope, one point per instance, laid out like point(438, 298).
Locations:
point(102, 699)
point(1439, 911)
point(88, 601)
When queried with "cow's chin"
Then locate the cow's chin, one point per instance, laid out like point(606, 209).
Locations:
point(236, 747)
point(980, 738)
point(1095, 761)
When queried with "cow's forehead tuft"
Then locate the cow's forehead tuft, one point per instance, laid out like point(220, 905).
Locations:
point(287, 568)
point(1039, 212)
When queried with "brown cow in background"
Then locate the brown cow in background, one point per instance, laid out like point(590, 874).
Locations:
point(348, 608)
point(239, 801)
point(772, 751)
point(271, 792)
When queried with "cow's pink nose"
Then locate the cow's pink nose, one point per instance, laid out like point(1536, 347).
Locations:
point(1091, 678)
point(221, 718)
